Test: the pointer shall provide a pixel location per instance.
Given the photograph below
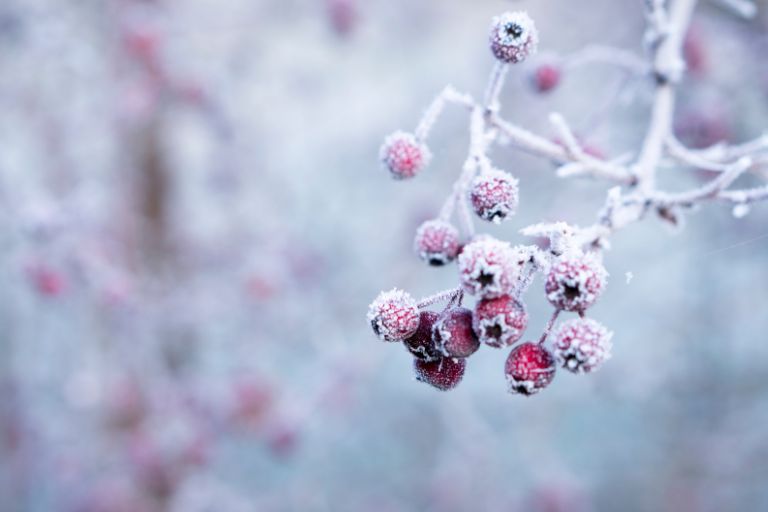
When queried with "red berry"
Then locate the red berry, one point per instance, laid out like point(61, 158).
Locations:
point(494, 195)
point(546, 77)
point(453, 334)
point(343, 14)
point(420, 343)
point(500, 321)
point(404, 155)
point(575, 281)
point(394, 315)
point(488, 267)
point(582, 344)
point(513, 37)
point(529, 369)
point(443, 374)
point(437, 242)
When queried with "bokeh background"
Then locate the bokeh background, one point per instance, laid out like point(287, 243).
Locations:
point(193, 222)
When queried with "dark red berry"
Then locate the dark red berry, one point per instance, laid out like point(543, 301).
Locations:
point(530, 368)
point(420, 344)
point(443, 374)
point(453, 333)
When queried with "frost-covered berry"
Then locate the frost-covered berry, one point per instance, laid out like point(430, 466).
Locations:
point(436, 242)
point(420, 343)
point(494, 195)
point(394, 315)
point(488, 267)
point(404, 155)
point(500, 321)
point(513, 37)
point(575, 281)
point(529, 368)
point(582, 344)
point(453, 333)
point(545, 78)
point(444, 374)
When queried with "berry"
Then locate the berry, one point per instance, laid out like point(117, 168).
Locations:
point(453, 334)
point(404, 155)
point(500, 321)
point(513, 37)
point(546, 77)
point(394, 315)
point(420, 343)
point(582, 344)
point(437, 242)
point(487, 267)
point(494, 195)
point(575, 281)
point(529, 369)
point(443, 374)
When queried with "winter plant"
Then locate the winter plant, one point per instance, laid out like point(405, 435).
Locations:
point(570, 262)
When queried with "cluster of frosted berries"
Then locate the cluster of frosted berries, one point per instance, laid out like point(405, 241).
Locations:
point(513, 37)
point(404, 155)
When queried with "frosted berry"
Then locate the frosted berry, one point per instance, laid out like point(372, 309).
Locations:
point(500, 321)
point(513, 37)
point(443, 374)
point(437, 242)
point(394, 315)
point(453, 334)
point(403, 155)
point(582, 344)
point(546, 77)
point(575, 281)
point(530, 368)
point(420, 343)
point(494, 195)
point(487, 267)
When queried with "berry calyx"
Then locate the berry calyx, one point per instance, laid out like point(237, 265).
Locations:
point(443, 374)
point(500, 321)
point(437, 242)
point(394, 315)
point(404, 155)
point(488, 267)
point(575, 282)
point(582, 345)
point(494, 195)
point(420, 343)
point(453, 333)
point(530, 368)
point(513, 37)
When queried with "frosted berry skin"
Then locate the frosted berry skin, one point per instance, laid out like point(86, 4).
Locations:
point(420, 343)
point(513, 37)
point(500, 321)
point(487, 268)
point(546, 77)
point(575, 281)
point(494, 195)
point(393, 315)
point(453, 333)
point(582, 345)
point(404, 155)
point(443, 374)
point(436, 242)
point(530, 368)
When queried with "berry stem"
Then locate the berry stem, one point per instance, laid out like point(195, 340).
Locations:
point(495, 84)
point(549, 326)
point(450, 294)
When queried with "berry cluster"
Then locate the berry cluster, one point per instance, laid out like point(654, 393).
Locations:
point(494, 272)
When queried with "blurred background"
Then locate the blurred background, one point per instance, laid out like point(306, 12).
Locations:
point(193, 222)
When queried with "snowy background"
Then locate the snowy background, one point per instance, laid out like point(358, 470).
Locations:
point(193, 222)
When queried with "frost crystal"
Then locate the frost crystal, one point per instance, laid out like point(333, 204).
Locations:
point(394, 315)
point(582, 345)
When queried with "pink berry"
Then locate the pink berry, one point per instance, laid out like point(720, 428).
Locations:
point(453, 334)
point(575, 281)
point(513, 37)
point(582, 344)
point(500, 321)
point(437, 242)
point(530, 368)
point(404, 155)
point(546, 77)
point(488, 267)
point(420, 343)
point(494, 195)
point(443, 374)
point(394, 315)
